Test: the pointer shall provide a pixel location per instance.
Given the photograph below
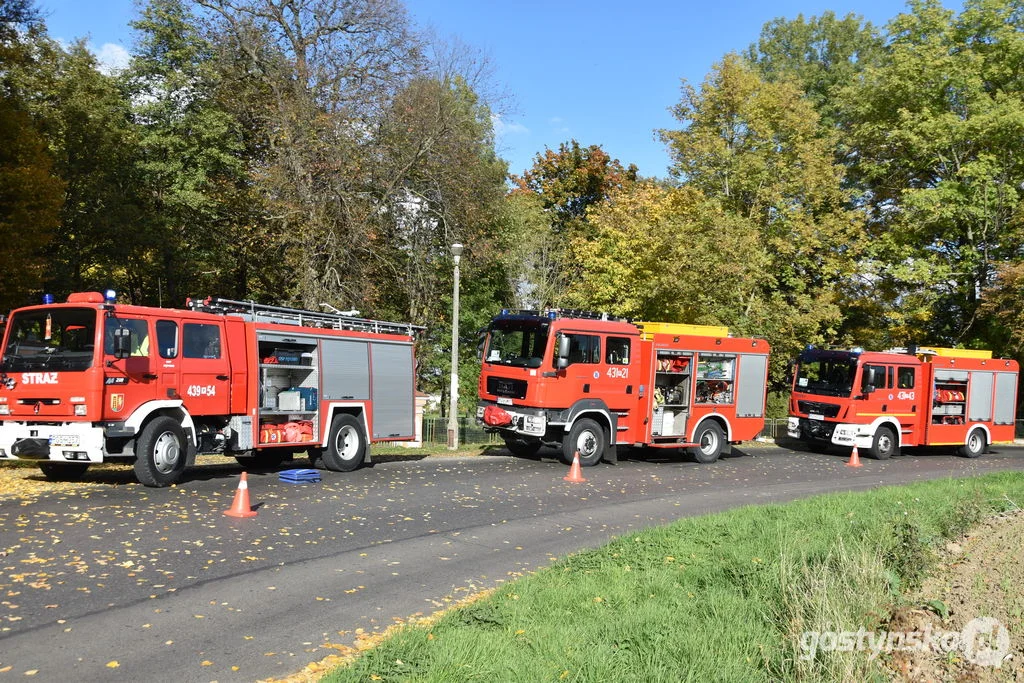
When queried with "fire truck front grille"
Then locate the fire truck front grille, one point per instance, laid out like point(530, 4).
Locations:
point(815, 429)
point(823, 409)
point(512, 388)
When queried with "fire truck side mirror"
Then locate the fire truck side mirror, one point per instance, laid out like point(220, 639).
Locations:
point(870, 379)
point(122, 342)
point(562, 360)
point(481, 341)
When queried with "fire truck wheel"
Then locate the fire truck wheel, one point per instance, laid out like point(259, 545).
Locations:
point(586, 438)
point(709, 440)
point(56, 471)
point(975, 445)
point(521, 448)
point(160, 456)
point(884, 446)
point(346, 446)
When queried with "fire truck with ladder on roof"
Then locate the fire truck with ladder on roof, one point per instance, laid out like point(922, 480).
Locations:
point(885, 400)
point(91, 380)
point(588, 384)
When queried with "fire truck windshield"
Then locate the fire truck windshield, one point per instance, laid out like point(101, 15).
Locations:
point(519, 343)
point(826, 374)
point(58, 339)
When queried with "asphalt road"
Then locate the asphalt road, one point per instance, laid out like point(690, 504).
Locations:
point(126, 583)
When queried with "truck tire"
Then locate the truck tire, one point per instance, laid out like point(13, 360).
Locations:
point(709, 439)
point(586, 438)
point(521, 448)
point(58, 471)
point(346, 445)
point(975, 445)
point(884, 445)
point(160, 454)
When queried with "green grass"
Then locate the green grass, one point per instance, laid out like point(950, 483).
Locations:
point(717, 598)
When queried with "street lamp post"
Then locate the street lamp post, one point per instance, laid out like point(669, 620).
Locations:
point(453, 407)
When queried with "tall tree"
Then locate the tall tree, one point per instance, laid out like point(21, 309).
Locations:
point(84, 118)
point(31, 195)
point(822, 55)
point(567, 183)
point(936, 132)
point(757, 150)
point(1002, 305)
point(327, 68)
point(656, 251)
point(441, 182)
point(573, 179)
point(189, 158)
point(534, 254)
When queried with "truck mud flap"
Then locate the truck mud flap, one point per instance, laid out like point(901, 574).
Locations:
point(611, 454)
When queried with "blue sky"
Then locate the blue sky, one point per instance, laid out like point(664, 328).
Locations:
point(597, 71)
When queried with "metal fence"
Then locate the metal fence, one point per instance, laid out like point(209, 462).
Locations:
point(435, 430)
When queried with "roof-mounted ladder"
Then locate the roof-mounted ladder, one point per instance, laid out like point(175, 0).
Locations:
point(255, 312)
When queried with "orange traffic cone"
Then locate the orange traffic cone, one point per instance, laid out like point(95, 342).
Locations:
point(575, 474)
point(241, 507)
point(854, 458)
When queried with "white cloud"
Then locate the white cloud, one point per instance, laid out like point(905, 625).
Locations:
point(112, 57)
point(558, 125)
point(502, 128)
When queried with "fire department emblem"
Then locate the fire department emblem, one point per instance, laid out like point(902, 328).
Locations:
point(117, 402)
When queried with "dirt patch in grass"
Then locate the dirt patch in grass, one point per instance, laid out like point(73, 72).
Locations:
point(979, 578)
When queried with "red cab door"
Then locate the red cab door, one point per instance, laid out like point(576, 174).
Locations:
point(890, 399)
point(127, 382)
point(205, 372)
point(600, 369)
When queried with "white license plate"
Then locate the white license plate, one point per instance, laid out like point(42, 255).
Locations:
point(64, 440)
point(815, 416)
point(504, 401)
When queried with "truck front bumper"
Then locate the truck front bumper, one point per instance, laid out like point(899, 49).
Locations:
point(63, 442)
point(524, 421)
point(836, 433)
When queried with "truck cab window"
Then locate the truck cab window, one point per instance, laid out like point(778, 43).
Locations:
point(519, 346)
point(201, 341)
point(873, 375)
point(584, 348)
point(167, 338)
point(57, 340)
point(617, 351)
point(140, 335)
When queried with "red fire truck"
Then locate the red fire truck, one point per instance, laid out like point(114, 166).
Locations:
point(883, 401)
point(588, 384)
point(91, 380)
